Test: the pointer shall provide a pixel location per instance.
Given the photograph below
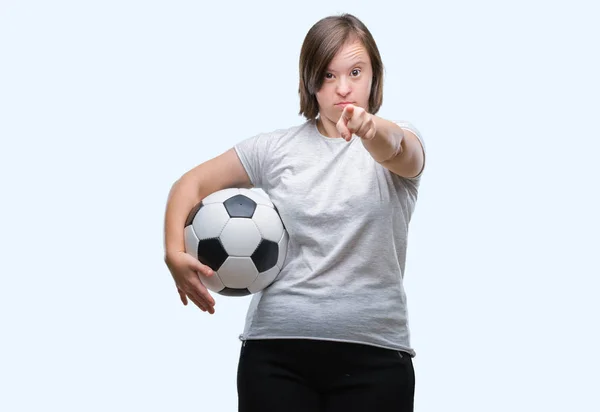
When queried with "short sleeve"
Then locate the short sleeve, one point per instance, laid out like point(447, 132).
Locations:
point(253, 153)
point(409, 126)
point(411, 184)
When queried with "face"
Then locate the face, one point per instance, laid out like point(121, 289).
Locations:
point(347, 80)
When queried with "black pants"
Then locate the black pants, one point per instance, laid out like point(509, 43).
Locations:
point(289, 375)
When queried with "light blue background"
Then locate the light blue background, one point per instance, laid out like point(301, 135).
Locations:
point(103, 104)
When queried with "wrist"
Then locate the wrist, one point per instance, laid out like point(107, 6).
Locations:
point(170, 253)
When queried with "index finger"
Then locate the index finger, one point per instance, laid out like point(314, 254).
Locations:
point(348, 112)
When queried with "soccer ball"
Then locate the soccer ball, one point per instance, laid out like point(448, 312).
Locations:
point(239, 234)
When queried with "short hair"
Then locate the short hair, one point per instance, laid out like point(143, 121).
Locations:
point(324, 39)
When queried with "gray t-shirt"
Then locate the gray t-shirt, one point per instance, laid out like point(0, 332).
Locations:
point(347, 218)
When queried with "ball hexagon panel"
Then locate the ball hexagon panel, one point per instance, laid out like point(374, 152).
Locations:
point(240, 237)
point(240, 206)
point(210, 221)
point(264, 279)
point(265, 256)
point(237, 272)
point(210, 252)
point(220, 196)
point(268, 222)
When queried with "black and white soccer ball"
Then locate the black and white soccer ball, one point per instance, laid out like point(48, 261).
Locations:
point(239, 234)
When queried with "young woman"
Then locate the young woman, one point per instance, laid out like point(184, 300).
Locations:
point(332, 332)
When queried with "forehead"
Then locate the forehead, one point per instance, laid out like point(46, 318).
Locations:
point(351, 52)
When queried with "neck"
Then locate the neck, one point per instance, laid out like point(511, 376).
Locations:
point(327, 128)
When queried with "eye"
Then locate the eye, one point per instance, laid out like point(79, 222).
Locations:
point(328, 76)
point(355, 72)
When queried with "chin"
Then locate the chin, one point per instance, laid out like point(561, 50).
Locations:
point(332, 117)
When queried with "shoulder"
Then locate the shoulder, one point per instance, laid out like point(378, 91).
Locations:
point(266, 146)
point(277, 138)
point(290, 132)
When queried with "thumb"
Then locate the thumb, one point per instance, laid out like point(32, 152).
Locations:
point(197, 266)
point(204, 269)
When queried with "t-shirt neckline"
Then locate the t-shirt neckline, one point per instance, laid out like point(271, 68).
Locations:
point(334, 140)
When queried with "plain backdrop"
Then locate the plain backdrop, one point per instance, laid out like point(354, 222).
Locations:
point(104, 104)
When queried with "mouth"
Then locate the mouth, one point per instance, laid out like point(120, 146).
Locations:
point(343, 103)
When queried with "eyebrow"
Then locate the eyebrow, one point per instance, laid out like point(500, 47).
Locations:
point(355, 63)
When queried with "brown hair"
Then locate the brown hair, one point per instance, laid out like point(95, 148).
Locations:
point(324, 39)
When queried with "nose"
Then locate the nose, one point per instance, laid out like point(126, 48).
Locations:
point(343, 87)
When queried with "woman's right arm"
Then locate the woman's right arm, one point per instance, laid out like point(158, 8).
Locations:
point(221, 172)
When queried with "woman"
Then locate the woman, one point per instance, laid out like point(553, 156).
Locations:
point(331, 333)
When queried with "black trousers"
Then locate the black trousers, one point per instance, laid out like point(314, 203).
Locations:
point(289, 375)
